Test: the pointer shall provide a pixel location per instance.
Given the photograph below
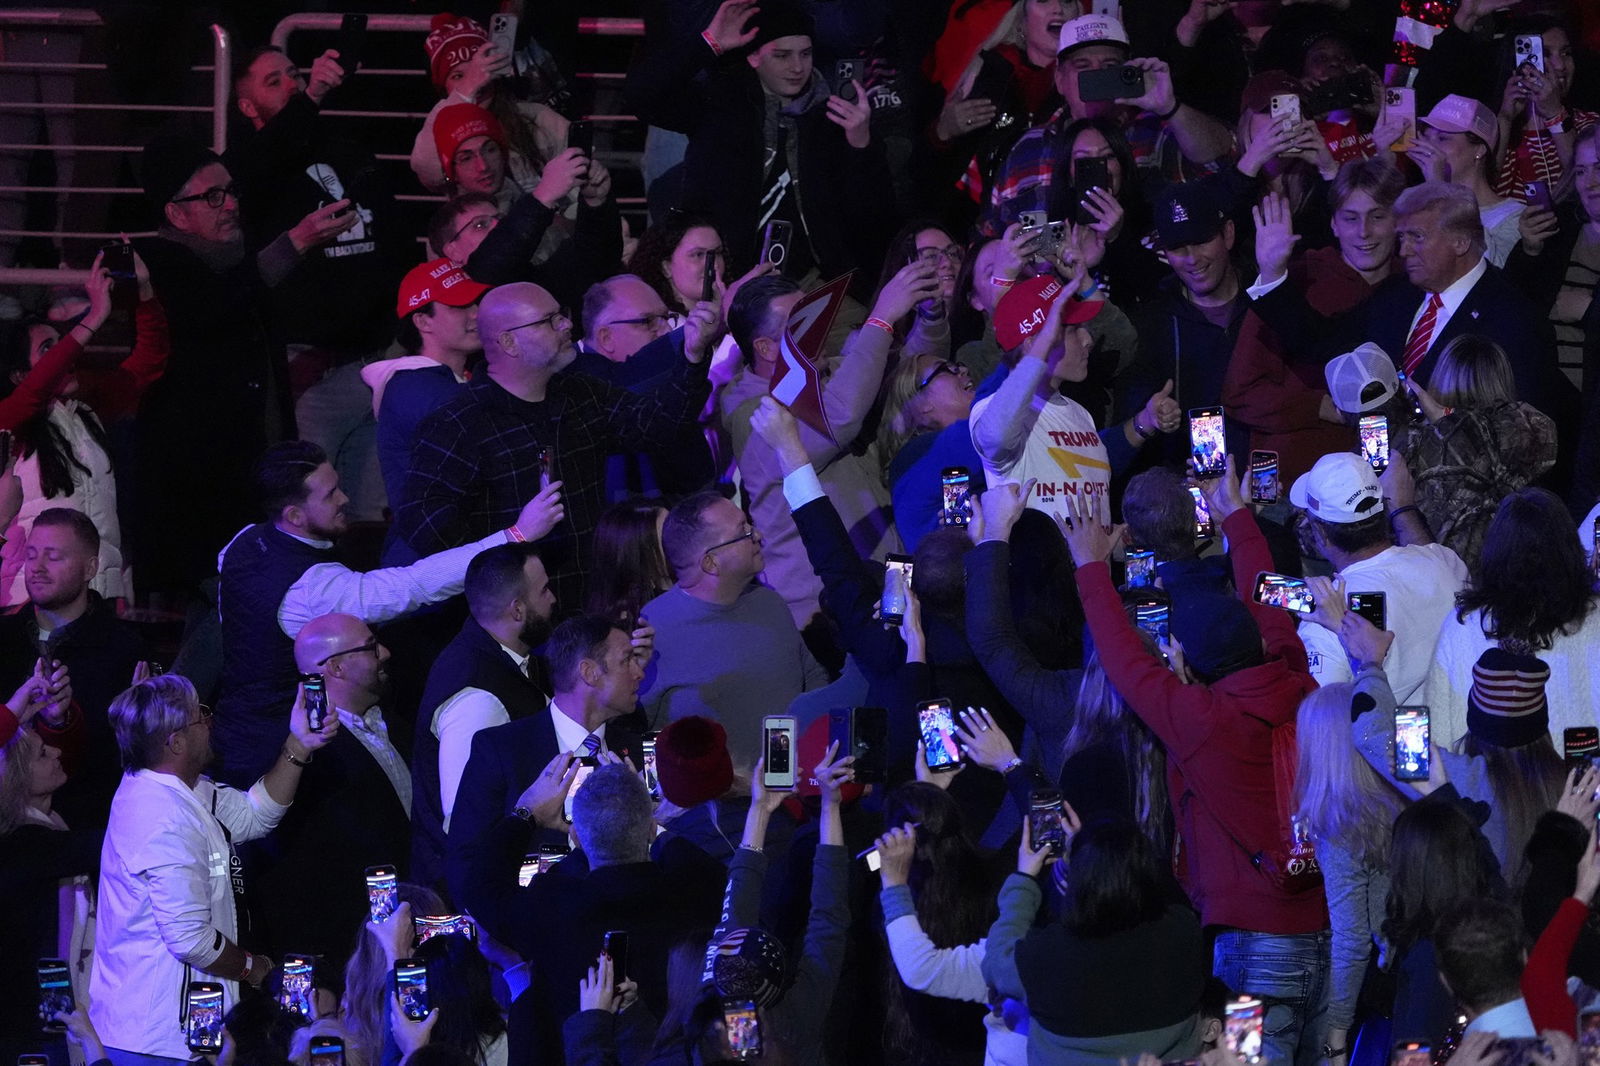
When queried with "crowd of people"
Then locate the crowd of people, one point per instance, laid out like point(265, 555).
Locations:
point(1067, 537)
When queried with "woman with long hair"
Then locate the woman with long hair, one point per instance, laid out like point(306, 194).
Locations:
point(57, 417)
point(1124, 968)
point(1111, 762)
point(1349, 811)
point(671, 258)
point(938, 904)
point(629, 569)
point(1478, 445)
point(1532, 591)
point(1437, 858)
point(46, 880)
point(365, 1006)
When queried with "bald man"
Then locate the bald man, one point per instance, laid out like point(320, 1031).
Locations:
point(473, 456)
point(352, 811)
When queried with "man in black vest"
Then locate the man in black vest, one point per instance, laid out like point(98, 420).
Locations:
point(280, 574)
point(595, 671)
point(304, 879)
point(68, 621)
point(485, 677)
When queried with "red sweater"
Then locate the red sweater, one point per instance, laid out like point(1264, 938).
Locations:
point(1219, 745)
point(1278, 400)
point(112, 392)
point(1544, 978)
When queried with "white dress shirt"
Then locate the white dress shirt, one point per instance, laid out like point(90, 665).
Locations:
point(456, 721)
point(373, 732)
point(570, 735)
point(376, 595)
point(1450, 299)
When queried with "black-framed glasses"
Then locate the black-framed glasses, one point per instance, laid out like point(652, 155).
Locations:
point(749, 533)
point(478, 224)
point(560, 313)
point(954, 253)
point(952, 367)
point(215, 196)
point(652, 321)
point(371, 645)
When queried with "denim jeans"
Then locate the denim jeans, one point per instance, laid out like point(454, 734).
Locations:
point(1290, 975)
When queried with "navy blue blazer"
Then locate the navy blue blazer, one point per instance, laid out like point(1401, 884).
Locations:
point(504, 762)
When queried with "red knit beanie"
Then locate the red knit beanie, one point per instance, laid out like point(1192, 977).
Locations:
point(692, 761)
point(451, 41)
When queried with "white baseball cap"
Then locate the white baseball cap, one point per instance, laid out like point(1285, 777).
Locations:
point(1362, 380)
point(1463, 114)
point(1091, 29)
point(1341, 488)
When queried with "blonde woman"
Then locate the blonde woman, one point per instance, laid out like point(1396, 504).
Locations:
point(1349, 810)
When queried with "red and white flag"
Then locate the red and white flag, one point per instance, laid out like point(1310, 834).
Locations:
point(796, 382)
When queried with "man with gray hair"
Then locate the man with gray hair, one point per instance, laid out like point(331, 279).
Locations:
point(611, 884)
point(169, 877)
point(1453, 290)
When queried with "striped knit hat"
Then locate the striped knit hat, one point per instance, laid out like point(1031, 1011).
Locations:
point(1506, 706)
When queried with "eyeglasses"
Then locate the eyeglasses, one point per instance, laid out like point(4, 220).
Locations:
point(204, 719)
point(559, 314)
point(479, 224)
point(954, 253)
point(215, 196)
point(371, 645)
point(651, 322)
point(749, 532)
point(953, 367)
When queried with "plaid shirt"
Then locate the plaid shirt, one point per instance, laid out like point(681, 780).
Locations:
point(475, 461)
point(1023, 183)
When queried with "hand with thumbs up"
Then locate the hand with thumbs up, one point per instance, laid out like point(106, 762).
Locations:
point(1160, 413)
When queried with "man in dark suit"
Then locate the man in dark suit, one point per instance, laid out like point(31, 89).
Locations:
point(304, 881)
point(1451, 290)
point(595, 671)
point(559, 922)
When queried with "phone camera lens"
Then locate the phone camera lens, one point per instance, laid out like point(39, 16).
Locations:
point(1132, 75)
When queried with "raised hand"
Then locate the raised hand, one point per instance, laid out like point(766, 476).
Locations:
point(985, 742)
point(326, 75)
point(547, 795)
point(1222, 494)
point(542, 513)
point(896, 849)
point(561, 177)
point(702, 330)
point(911, 284)
point(774, 423)
point(730, 27)
point(852, 116)
point(323, 225)
point(1275, 237)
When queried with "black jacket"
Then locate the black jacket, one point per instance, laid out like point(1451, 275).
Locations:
point(843, 190)
point(100, 652)
point(33, 861)
point(657, 904)
point(304, 879)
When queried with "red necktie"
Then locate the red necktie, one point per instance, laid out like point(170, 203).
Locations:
point(1422, 334)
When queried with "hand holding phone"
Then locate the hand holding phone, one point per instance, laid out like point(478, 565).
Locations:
point(896, 600)
point(937, 727)
point(1412, 744)
point(778, 767)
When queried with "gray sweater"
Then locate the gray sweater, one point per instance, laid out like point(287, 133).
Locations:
point(734, 664)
